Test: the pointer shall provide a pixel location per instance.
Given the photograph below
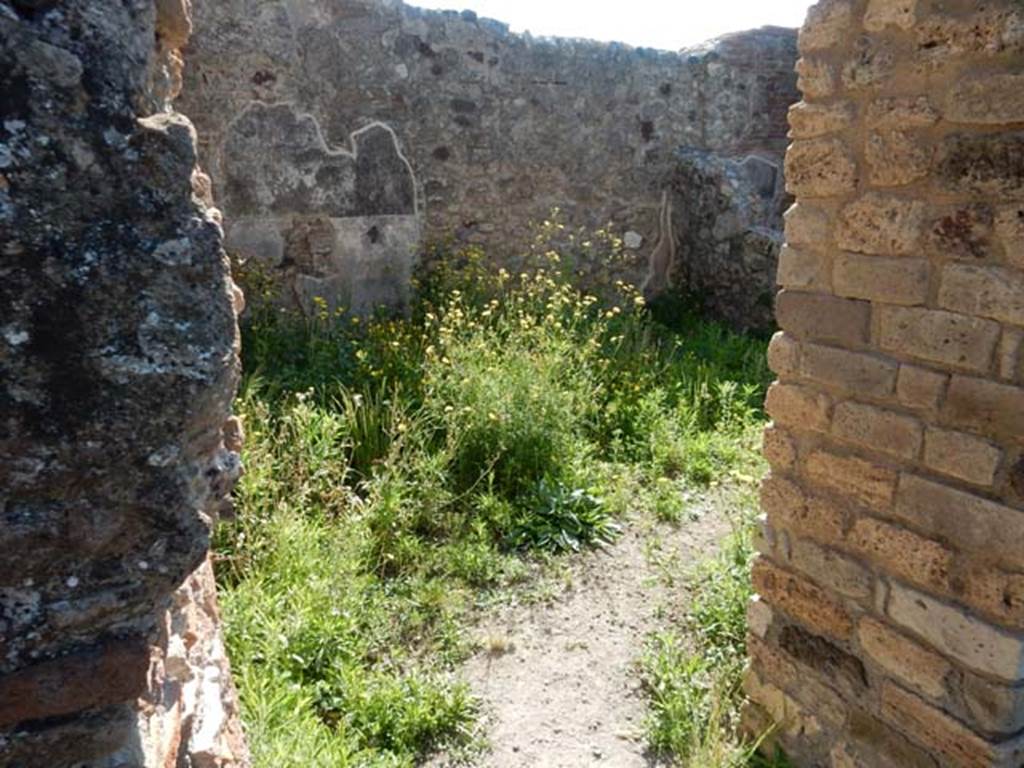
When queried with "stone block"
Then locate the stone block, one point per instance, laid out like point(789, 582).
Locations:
point(1011, 354)
point(896, 158)
point(881, 225)
point(987, 100)
point(961, 455)
point(785, 712)
point(961, 232)
point(855, 372)
point(992, 707)
point(993, 292)
point(1009, 228)
point(901, 281)
point(92, 678)
point(948, 338)
point(759, 616)
point(810, 121)
point(890, 13)
point(869, 483)
point(956, 745)
point(808, 226)
point(903, 658)
point(956, 633)
point(920, 388)
point(875, 744)
point(780, 495)
point(984, 33)
point(765, 538)
point(827, 25)
point(779, 448)
point(801, 600)
point(878, 429)
point(992, 592)
point(871, 64)
point(977, 525)
point(798, 406)
point(989, 165)
point(820, 168)
point(87, 739)
point(985, 406)
point(843, 671)
point(823, 317)
point(900, 552)
point(817, 79)
point(784, 355)
point(832, 570)
point(803, 269)
point(901, 112)
point(789, 508)
point(774, 664)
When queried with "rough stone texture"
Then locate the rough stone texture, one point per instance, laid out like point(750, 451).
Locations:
point(497, 130)
point(117, 368)
point(728, 215)
point(896, 486)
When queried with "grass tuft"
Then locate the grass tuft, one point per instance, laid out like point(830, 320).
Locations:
point(694, 677)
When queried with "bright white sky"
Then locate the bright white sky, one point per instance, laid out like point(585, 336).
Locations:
point(667, 24)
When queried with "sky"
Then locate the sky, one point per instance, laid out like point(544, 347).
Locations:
point(668, 24)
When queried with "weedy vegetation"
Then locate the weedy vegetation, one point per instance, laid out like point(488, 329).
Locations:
point(693, 675)
point(401, 471)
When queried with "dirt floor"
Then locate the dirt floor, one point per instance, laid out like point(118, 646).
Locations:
point(558, 677)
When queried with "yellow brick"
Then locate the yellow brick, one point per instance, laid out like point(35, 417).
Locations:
point(820, 168)
point(941, 337)
point(903, 658)
point(960, 455)
point(855, 372)
point(871, 484)
point(900, 552)
point(878, 429)
point(920, 387)
point(887, 280)
point(975, 524)
point(802, 600)
point(798, 406)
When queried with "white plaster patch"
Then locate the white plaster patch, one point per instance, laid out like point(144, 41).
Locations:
point(174, 253)
point(113, 138)
point(15, 336)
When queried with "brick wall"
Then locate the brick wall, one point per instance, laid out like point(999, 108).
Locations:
point(890, 624)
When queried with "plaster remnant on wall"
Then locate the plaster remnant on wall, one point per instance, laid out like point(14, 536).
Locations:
point(321, 220)
point(498, 128)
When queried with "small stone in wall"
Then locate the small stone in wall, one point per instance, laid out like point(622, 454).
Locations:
point(826, 24)
point(633, 240)
point(902, 112)
point(897, 157)
point(817, 79)
point(883, 13)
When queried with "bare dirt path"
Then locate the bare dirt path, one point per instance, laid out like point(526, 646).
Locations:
point(558, 678)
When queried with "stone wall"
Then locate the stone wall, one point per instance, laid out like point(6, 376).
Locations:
point(118, 363)
point(890, 624)
point(497, 129)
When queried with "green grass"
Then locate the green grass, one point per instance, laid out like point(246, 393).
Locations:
point(693, 675)
point(401, 472)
